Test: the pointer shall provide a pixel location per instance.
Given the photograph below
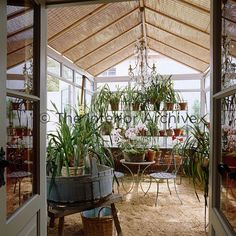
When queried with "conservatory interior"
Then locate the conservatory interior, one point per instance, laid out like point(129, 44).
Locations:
point(128, 88)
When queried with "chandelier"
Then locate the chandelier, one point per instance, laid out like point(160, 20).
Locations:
point(141, 73)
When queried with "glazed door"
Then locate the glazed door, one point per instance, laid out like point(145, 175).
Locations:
point(22, 136)
point(222, 206)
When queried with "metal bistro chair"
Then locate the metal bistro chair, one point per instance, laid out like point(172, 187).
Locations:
point(119, 176)
point(168, 174)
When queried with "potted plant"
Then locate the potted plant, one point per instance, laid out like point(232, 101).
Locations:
point(106, 128)
point(114, 99)
point(72, 146)
point(153, 128)
point(170, 98)
point(169, 132)
point(181, 103)
point(133, 148)
point(100, 101)
point(195, 150)
point(162, 133)
point(132, 97)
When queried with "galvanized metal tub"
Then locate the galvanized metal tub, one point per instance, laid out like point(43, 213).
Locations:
point(82, 188)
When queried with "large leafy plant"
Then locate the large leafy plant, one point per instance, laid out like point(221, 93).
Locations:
point(71, 143)
point(195, 150)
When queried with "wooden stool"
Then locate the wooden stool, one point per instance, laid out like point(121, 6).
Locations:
point(60, 210)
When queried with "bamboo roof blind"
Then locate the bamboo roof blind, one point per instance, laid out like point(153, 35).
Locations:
point(99, 36)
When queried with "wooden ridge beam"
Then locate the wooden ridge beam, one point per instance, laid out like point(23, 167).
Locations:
point(80, 21)
point(107, 26)
point(104, 44)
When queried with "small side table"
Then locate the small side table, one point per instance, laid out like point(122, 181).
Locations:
point(56, 210)
point(139, 164)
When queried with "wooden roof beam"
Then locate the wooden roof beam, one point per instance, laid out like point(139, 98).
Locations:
point(96, 49)
point(195, 6)
point(18, 13)
point(19, 31)
point(109, 25)
point(164, 54)
point(177, 20)
point(177, 35)
point(158, 41)
point(18, 49)
point(78, 22)
point(112, 54)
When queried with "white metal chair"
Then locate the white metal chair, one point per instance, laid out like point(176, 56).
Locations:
point(119, 179)
point(168, 174)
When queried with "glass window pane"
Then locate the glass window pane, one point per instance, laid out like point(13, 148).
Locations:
point(228, 182)
point(54, 66)
point(67, 73)
point(19, 152)
point(52, 84)
point(88, 99)
point(20, 175)
point(61, 97)
point(193, 99)
point(113, 85)
point(78, 78)
point(187, 84)
point(207, 82)
point(20, 50)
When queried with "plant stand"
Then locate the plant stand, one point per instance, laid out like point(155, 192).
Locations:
point(61, 210)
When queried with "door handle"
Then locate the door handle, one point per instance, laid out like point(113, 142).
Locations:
point(3, 163)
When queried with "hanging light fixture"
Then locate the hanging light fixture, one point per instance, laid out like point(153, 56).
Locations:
point(141, 73)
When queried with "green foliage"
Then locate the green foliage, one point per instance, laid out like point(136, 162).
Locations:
point(101, 100)
point(115, 97)
point(71, 143)
point(195, 150)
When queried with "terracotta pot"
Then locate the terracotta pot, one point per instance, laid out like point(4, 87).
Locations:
point(16, 105)
point(177, 132)
point(162, 132)
point(114, 106)
point(183, 106)
point(28, 105)
point(169, 106)
point(135, 106)
point(21, 131)
point(142, 133)
point(139, 157)
point(151, 155)
point(169, 132)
